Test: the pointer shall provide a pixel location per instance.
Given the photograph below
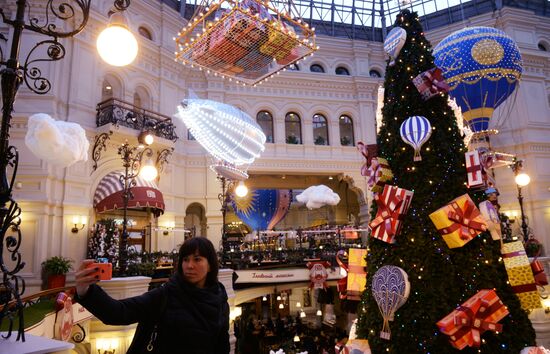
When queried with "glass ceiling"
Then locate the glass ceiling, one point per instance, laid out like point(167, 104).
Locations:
point(370, 19)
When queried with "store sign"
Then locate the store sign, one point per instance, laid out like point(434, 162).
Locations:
point(280, 275)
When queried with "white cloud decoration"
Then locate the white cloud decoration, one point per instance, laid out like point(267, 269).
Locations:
point(57, 142)
point(317, 196)
point(226, 132)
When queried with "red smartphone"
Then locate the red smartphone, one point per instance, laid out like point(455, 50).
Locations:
point(105, 270)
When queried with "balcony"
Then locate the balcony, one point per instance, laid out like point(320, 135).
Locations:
point(121, 113)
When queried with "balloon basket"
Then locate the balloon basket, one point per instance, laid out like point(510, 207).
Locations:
point(385, 335)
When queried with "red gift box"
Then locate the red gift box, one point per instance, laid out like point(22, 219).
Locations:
point(223, 48)
point(378, 173)
point(430, 83)
point(478, 314)
point(393, 204)
point(254, 61)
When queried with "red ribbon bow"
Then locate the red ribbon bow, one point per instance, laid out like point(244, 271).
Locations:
point(374, 172)
point(465, 220)
point(476, 322)
point(387, 214)
point(342, 284)
point(538, 273)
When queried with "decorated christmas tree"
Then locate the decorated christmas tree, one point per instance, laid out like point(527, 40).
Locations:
point(440, 278)
point(104, 241)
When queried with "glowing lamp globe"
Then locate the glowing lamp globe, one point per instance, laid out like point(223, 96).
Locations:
point(117, 46)
point(523, 179)
point(148, 172)
point(241, 190)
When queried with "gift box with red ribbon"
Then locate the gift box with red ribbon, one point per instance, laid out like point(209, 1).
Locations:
point(538, 272)
point(357, 276)
point(478, 314)
point(277, 44)
point(393, 204)
point(520, 275)
point(430, 83)
point(378, 173)
point(224, 48)
point(477, 167)
point(459, 221)
point(368, 151)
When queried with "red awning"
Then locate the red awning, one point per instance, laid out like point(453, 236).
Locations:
point(108, 195)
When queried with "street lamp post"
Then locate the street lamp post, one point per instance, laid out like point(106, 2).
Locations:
point(63, 19)
point(522, 179)
point(224, 198)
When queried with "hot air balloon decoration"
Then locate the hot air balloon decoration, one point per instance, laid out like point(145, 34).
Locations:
point(394, 43)
point(229, 135)
point(390, 288)
point(262, 209)
point(415, 131)
point(482, 66)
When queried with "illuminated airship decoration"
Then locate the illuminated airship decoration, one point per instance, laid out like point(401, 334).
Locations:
point(230, 136)
point(483, 67)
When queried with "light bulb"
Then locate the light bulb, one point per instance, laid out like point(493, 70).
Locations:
point(281, 306)
point(149, 139)
point(264, 298)
point(296, 338)
point(298, 305)
point(302, 314)
point(116, 44)
point(148, 171)
point(319, 313)
point(241, 190)
point(278, 298)
point(523, 179)
point(76, 219)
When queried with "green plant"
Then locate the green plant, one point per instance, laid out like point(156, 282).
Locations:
point(291, 139)
point(319, 140)
point(57, 265)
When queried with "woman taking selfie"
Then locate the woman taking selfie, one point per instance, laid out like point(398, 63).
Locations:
point(189, 314)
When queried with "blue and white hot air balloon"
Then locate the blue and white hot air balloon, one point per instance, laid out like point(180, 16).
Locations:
point(394, 42)
point(482, 65)
point(415, 131)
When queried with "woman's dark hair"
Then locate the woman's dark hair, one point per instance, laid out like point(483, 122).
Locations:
point(205, 249)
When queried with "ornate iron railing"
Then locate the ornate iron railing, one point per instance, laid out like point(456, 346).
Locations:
point(118, 112)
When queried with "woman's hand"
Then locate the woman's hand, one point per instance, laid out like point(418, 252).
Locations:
point(85, 277)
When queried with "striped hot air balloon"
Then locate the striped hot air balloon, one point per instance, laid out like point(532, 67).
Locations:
point(415, 131)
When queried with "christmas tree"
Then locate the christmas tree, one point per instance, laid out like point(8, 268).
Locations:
point(104, 241)
point(440, 278)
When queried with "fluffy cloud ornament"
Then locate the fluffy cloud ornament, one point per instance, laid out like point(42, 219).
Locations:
point(57, 142)
point(317, 196)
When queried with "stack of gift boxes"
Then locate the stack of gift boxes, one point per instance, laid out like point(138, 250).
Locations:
point(245, 41)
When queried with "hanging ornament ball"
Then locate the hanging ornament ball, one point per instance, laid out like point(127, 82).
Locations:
point(394, 42)
point(415, 131)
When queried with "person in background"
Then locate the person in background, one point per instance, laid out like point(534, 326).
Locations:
point(189, 314)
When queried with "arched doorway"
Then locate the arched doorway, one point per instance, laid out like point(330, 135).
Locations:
point(195, 219)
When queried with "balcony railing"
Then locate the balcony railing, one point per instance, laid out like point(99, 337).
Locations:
point(118, 112)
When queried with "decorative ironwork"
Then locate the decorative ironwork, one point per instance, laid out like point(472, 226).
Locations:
point(33, 75)
point(79, 335)
point(121, 5)
point(99, 146)
point(131, 161)
point(162, 159)
point(118, 112)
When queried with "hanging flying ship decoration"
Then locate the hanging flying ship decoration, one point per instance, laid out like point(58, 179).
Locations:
point(247, 41)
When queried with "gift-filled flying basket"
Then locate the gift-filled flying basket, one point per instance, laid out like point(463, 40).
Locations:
point(248, 40)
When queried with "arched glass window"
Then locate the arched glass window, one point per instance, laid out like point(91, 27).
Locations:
point(542, 47)
point(320, 130)
point(316, 68)
point(346, 131)
point(293, 128)
point(144, 32)
point(375, 73)
point(137, 100)
point(265, 120)
point(106, 90)
point(342, 71)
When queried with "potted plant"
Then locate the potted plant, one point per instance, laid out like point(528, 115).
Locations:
point(56, 269)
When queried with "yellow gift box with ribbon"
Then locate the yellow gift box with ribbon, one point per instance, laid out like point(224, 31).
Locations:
point(520, 275)
point(357, 277)
point(459, 221)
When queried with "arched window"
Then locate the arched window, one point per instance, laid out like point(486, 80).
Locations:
point(293, 128)
point(294, 67)
point(374, 73)
point(106, 90)
point(542, 46)
point(144, 32)
point(346, 131)
point(137, 100)
point(342, 71)
point(265, 120)
point(320, 130)
point(316, 68)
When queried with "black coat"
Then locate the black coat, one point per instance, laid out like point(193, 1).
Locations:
point(194, 321)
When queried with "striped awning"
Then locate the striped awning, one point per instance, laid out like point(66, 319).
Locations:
point(108, 195)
